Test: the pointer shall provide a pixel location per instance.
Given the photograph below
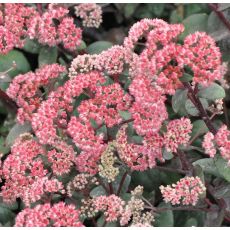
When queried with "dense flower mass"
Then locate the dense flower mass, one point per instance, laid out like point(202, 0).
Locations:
point(177, 133)
point(25, 89)
point(90, 13)
point(97, 118)
point(58, 215)
point(185, 191)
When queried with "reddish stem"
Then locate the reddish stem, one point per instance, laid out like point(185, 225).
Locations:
point(8, 102)
point(39, 7)
point(121, 183)
point(220, 14)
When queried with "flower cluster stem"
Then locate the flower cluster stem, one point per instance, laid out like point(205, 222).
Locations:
point(196, 101)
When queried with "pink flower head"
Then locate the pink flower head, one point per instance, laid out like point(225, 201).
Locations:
point(223, 142)
point(177, 133)
point(203, 56)
point(208, 144)
point(105, 105)
point(112, 60)
point(69, 34)
point(58, 215)
point(185, 191)
point(139, 157)
point(25, 89)
point(112, 206)
point(90, 13)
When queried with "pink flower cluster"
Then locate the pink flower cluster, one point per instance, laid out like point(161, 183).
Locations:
point(25, 89)
point(54, 27)
point(186, 191)
point(105, 104)
point(148, 110)
point(112, 60)
point(90, 13)
point(58, 215)
point(139, 157)
point(50, 113)
point(14, 22)
point(61, 157)
point(220, 141)
point(199, 52)
point(25, 173)
point(177, 133)
point(111, 206)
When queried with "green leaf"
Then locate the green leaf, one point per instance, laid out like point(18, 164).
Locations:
point(213, 92)
point(47, 55)
point(200, 127)
point(125, 186)
point(157, 8)
point(223, 167)
point(167, 155)
point(192, 110)
point(192, 9)
point(208, 166)
point(175, 17)
point(222, 191)
point(98, 47)
point(191, 222)
point(16, 131)
point(165, 218)
point(31, 46)
point(82, 46)
point(22, 65)
point(193, 23)
point(129, 9)
point(6, 215)
point(11, 206)
point(215, 218)
point(216, 28)
point(186, 77)
point(216, 166)
point(136, 139)
point(97, 191)
point(179, 99)
point(143, 12)
point(125, 114)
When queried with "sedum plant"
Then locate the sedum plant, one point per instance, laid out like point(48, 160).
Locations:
point(94, 122)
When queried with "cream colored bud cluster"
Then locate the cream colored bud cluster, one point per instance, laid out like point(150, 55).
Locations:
point(106, 168)
point(136, 206)
point(82, 64)
point(87, 209)
point(217, 108)
point(90, 13)
point(80, 182)
point(138, 191)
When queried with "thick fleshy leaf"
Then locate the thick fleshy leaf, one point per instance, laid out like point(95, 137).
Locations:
point(193, 23)
point(16, 131)
point(192, 110)
point(98, 47)
point(213, 92)
point(47, 55)
point(22, 65)
point(98, 191)
point(178, 100)
point(165, 218)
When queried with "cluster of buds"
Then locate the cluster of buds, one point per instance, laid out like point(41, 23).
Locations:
point(186, 191)
point(106, 168)
point(80, 182)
